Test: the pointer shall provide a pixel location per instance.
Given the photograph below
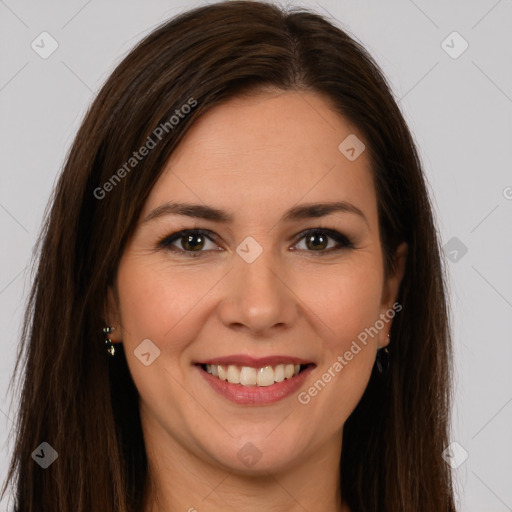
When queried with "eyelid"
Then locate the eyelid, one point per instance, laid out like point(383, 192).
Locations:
point(167, 241)
point(343, 241)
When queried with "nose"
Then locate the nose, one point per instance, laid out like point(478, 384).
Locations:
point(257, 298)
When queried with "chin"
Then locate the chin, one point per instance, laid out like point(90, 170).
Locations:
point(258, 454)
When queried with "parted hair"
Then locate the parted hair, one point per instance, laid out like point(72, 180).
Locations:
point(85, 405)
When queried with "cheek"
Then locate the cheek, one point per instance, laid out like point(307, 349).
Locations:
point(158, 299)
point(155, 299)
point(346, 298)
point(157, 303)
point(348, 304)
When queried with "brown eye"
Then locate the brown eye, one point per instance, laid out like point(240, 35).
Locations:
point(190, 242)
point(317, 240)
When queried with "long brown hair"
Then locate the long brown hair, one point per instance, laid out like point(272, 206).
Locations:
point(85, 405)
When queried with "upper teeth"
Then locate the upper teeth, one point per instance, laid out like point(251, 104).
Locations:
point(248, 376)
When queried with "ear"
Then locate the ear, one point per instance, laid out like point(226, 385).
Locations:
point(390, 293)
point(112, 315)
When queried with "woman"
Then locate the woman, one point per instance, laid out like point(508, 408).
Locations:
point(239, 303)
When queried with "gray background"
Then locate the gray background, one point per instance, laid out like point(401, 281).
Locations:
point(460, 112)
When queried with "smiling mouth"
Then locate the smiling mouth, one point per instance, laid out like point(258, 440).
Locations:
point(255, 377)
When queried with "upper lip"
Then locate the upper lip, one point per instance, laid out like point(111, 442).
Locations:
point(254, 362)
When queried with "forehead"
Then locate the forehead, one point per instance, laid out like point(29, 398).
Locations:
point(265, 153)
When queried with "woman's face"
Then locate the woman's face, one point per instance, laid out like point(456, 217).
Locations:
point(255, 291)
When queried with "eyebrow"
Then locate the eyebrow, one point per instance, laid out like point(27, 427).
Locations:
point(300, 212)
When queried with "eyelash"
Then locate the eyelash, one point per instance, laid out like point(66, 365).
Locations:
point(343, 241)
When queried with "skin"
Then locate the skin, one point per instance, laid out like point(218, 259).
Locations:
point(254, 157)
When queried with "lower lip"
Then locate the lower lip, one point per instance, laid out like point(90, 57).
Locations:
point(256, 395)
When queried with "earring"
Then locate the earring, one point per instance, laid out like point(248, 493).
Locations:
point(382, 360)
point(108, 342)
